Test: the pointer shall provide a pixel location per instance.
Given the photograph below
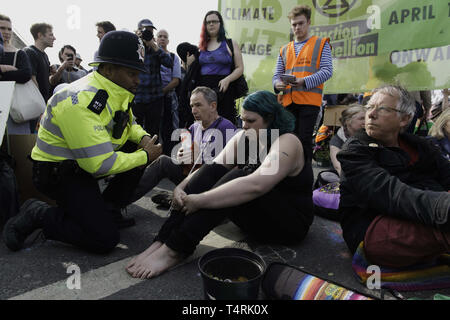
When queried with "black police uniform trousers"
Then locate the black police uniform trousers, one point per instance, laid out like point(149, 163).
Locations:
point(83, 216)
point(306, 117)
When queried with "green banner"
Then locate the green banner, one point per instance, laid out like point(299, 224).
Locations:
point(374, 42)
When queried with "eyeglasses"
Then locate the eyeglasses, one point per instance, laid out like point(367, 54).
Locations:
point(213, 22)
point(381, 109)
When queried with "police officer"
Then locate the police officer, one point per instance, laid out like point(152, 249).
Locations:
point(88, 132)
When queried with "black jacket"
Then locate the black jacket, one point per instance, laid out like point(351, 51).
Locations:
point(189, 83)
point(379, 180)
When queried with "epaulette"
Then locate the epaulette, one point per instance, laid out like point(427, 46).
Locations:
point(98, 103)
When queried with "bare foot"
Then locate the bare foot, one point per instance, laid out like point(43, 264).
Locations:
point(140, 258)
point(158, 262)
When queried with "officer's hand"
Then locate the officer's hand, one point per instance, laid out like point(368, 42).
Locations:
point(153, 151)
point(280, 85)
point(144, 141)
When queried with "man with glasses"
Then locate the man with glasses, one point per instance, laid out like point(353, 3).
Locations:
point(394, 187)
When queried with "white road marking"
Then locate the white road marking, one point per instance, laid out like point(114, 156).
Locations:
point(107, 280)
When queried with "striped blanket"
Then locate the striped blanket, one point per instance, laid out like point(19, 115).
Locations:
point(430, 276)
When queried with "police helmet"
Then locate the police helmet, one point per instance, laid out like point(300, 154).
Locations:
point(121, 48)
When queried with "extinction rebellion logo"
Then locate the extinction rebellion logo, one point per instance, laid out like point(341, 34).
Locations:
point(333, 8)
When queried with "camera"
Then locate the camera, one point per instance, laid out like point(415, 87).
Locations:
point(70, 56)
point(147, 34)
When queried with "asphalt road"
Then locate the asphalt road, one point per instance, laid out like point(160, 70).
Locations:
point(45, 270)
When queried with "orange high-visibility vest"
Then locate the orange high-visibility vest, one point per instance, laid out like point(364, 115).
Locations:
point(306, 64)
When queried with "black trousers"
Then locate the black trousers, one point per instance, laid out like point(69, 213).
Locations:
point(83, 216)
point(267, 218)
point(150, 115)
point(306, 116)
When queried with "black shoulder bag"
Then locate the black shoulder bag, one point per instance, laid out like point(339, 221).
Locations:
point(239, 87)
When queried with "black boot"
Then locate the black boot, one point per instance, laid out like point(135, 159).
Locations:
point(18, 228)
point(121, 221)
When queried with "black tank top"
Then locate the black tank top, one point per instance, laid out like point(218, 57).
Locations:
point(297, 189)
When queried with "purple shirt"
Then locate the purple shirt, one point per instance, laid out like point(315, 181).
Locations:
point(217, 62)
point(212, 140)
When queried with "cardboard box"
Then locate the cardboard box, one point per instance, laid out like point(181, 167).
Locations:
point(20, 148)
point(333, 114)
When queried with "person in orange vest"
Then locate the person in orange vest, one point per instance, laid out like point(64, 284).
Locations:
point(303, 66)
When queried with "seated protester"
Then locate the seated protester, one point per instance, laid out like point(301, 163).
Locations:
point(394, 187)
point(269, 199)
point(352, 120)
point(67, 72)
point(208, 125)
point(326, 194)
point(440, 133)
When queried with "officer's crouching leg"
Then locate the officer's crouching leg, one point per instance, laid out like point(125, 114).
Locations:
point(104, 242)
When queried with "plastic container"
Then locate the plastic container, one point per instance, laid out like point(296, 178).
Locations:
point(231, 274)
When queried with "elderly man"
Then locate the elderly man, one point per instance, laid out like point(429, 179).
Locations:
point(394, 189)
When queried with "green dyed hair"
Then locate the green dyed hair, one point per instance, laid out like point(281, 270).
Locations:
point(265, 103)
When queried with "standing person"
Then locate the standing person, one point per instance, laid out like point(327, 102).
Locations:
point(40, 65)
point(88, 132)
point(67, 72)
point(270, 205)
point(394, 187)
point(189, 54)
point(309, 60)
point(103, 28)
point(78, 61)
point(14, 66)
point(149, 101)
point(216, 60)
point(170, 78)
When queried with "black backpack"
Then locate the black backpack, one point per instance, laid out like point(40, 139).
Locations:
point(9, 196)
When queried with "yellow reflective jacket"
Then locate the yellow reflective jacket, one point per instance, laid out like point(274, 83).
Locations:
point(78, 125)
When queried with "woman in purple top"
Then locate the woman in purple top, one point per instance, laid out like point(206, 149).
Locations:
point(216, 63)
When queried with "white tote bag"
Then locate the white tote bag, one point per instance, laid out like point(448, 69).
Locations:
point(27, 102)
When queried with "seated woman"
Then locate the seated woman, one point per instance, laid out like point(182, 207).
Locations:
point(440, 133)
point(271, 199)
point(352, 120)
point(326, 195)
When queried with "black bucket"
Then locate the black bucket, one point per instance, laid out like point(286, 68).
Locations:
point(231, 274)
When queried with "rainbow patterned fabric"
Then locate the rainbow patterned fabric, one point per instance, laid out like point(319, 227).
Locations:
point(430, 276)
point(313, 288)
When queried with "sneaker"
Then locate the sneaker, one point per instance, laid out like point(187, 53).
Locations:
point(19, 227)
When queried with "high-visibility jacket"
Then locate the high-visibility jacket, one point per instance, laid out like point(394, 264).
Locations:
point(306, 64)
point(78, 125)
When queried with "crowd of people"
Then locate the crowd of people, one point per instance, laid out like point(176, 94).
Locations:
point(117, 121)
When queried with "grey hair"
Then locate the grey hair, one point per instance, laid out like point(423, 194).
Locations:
point(209, 94)
point(406, 103)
